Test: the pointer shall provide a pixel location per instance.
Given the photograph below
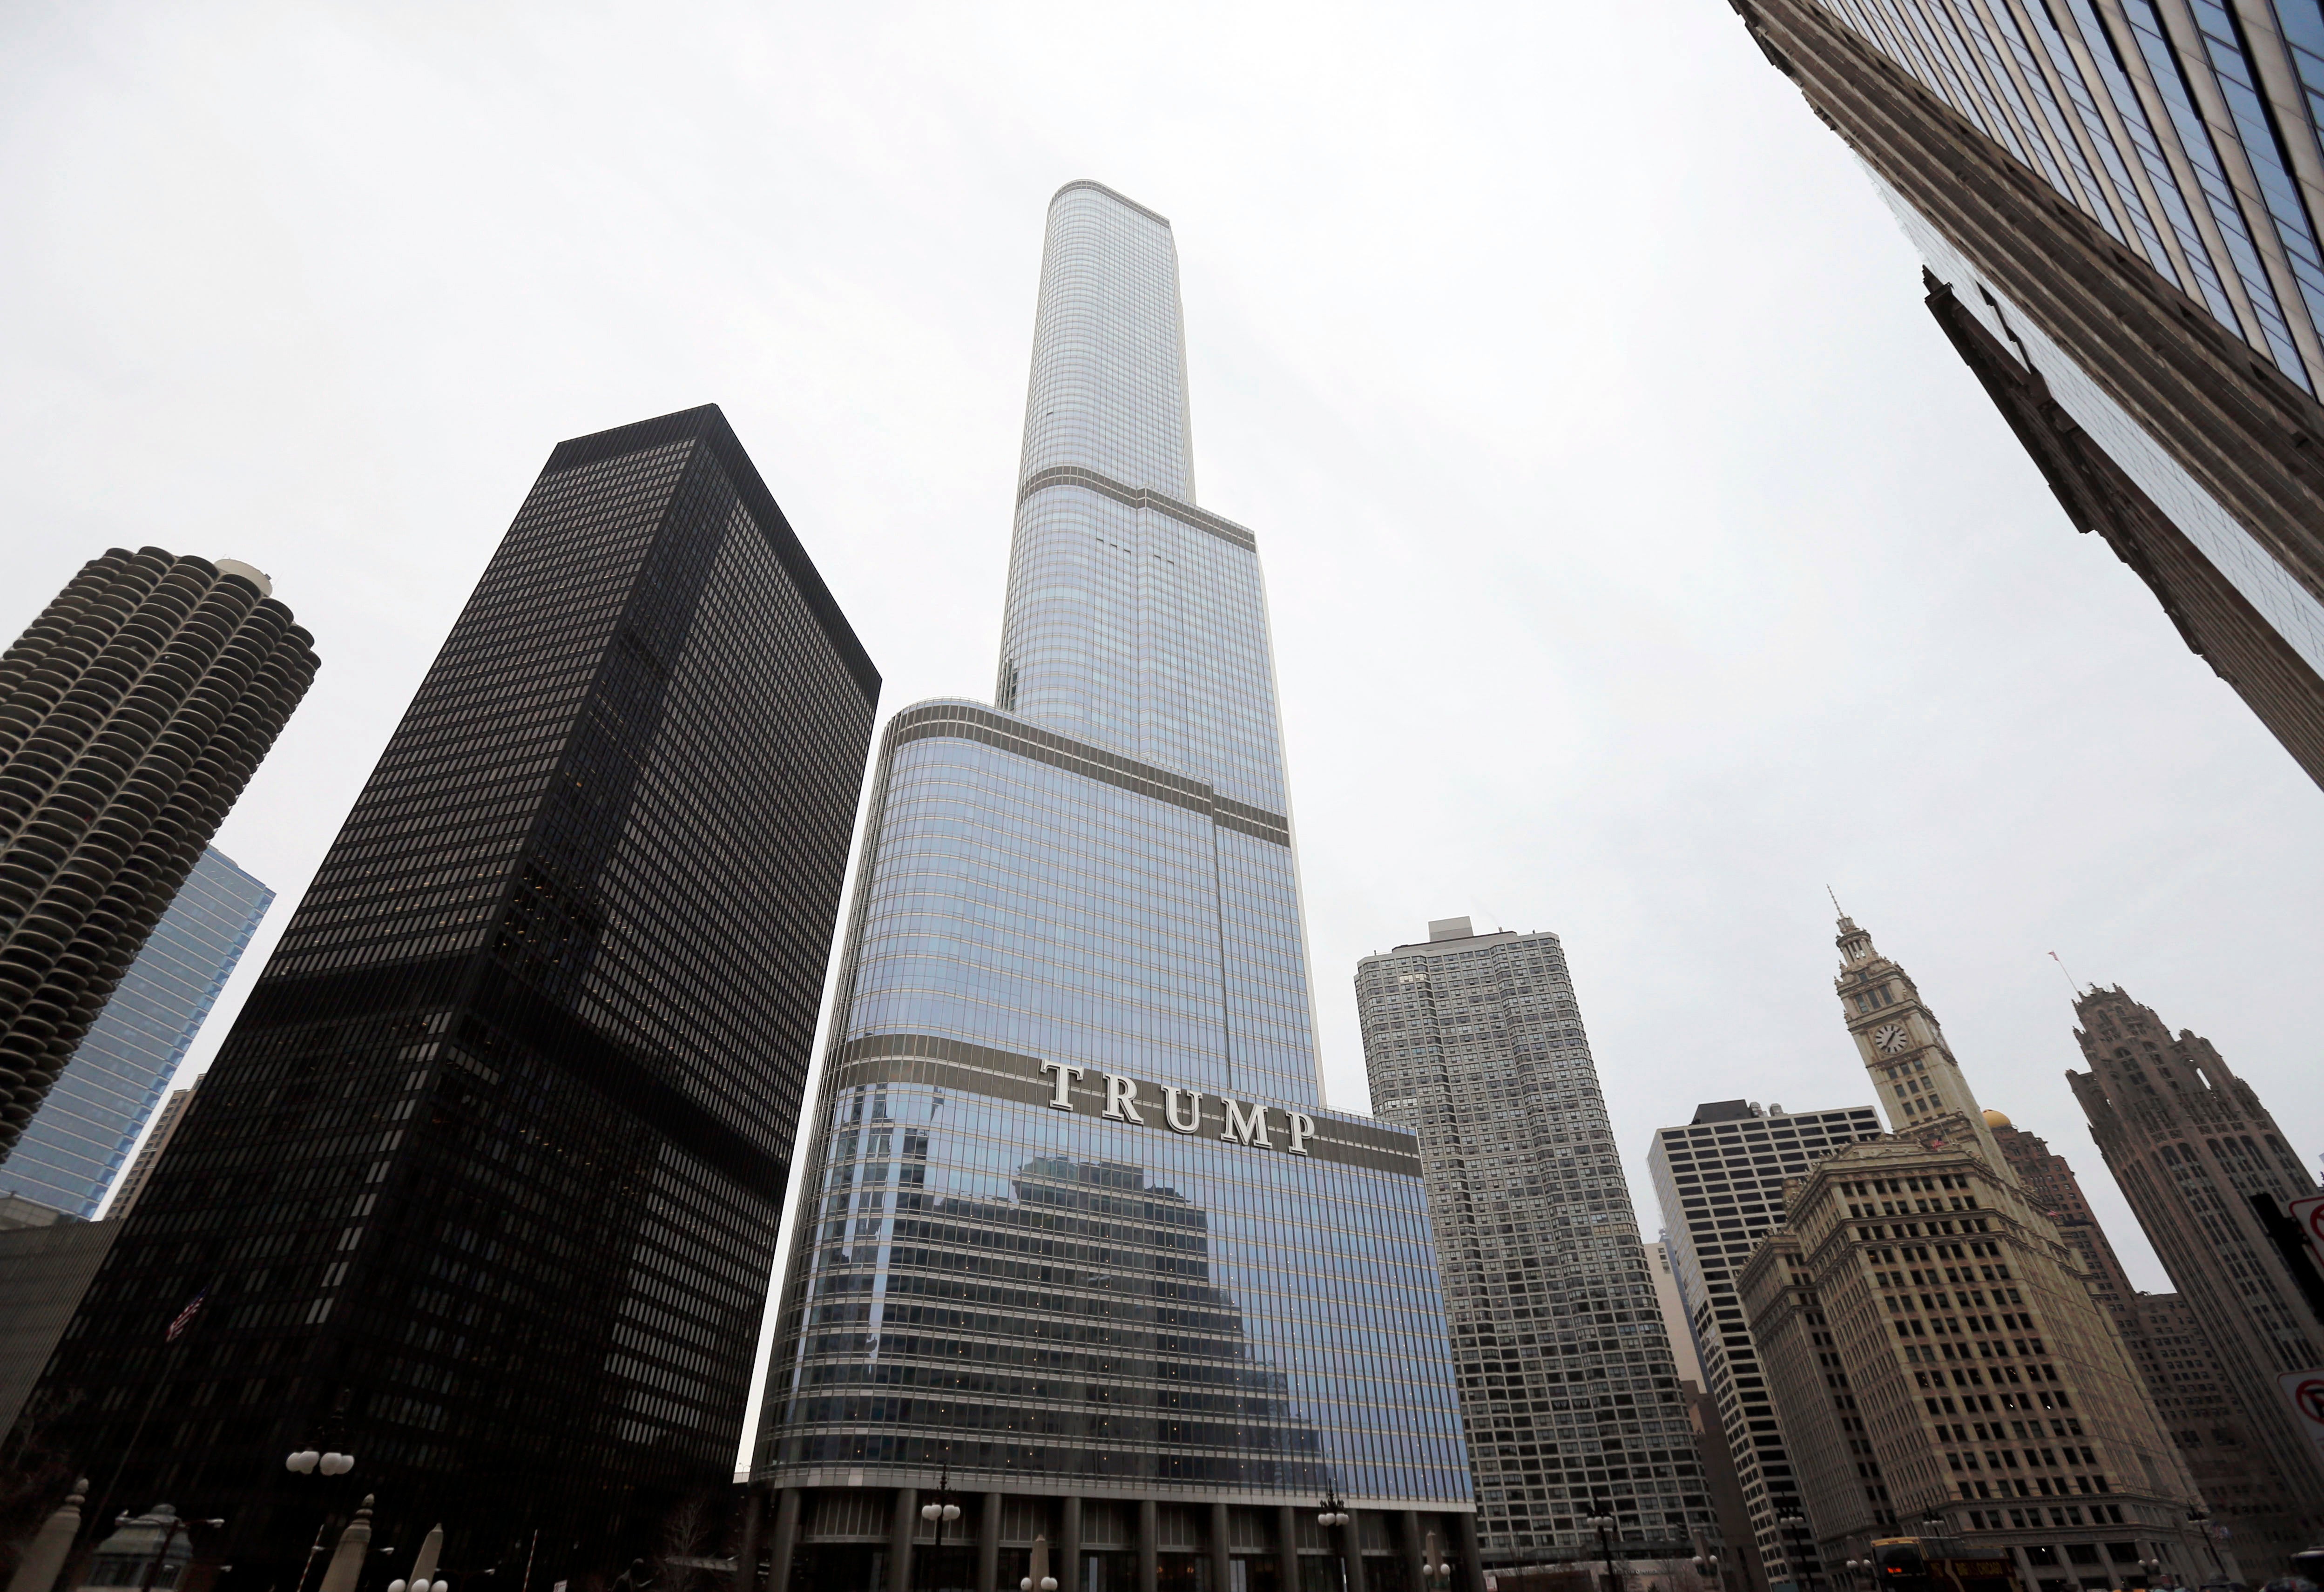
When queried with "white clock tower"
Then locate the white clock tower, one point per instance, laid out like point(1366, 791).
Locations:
point(1920, 1085)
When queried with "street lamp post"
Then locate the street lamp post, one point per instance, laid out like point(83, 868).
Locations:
point(1706, 1565)
point(1795, 1527)
point(1333, 1515)
point(943, 1511)
point(310, 1462)
point(1602, 1521)
point(1435, 1570)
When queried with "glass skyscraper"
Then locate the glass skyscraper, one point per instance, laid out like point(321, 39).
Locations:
point(1079, 1239)
point(2117, 201)
point(82, 1132)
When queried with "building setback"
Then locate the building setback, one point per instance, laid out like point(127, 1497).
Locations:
point(132, 714)
point(83, 1131)
point(131, 1186)
point(2230, 1470)
point(483, 1185)
point(1474, 1043)
point(1937, 1360)
point(2116, 200)
point(1721, 1182)
point(1083, 1242)
point(2189, 1143)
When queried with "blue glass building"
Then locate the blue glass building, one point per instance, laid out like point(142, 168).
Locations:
point(82, 1134)
point(1080, 1240)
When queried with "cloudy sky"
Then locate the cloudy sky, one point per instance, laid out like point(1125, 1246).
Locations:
point(1642, 558)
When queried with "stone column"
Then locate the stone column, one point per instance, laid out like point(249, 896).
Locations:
point(1351, 1540)
point(1149, 1546)
point(786, 1546)
point(746, 1552)
point(1472, 1559)
point(901, 1527)
point(1287, 1542)
point(1222, 1550)
point(1415, 1548)
point(1069, 1547)
point(45, 1554)
point(347, 1559)
point(987, 1543)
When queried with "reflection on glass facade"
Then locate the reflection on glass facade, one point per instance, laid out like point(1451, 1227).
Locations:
point(83, 1131)
point(1078, 1228)
point(1568, 1388)
point(2126, 193)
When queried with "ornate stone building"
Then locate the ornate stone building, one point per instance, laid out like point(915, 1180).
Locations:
point(2190, 1145)
point(1934, 1350)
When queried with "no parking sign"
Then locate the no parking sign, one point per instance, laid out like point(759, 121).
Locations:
point(2310, 1214)
point(2305, 1389)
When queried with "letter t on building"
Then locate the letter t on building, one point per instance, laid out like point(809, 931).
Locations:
point(1066, 1077)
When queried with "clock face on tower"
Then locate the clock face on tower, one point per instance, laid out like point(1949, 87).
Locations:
point(1891, 1037)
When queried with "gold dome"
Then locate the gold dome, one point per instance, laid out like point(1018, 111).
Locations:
point(1996, 1119)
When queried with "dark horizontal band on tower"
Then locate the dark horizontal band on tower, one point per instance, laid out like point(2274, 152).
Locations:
point(962, 721)
point(978, 1069)
point(1137, 497)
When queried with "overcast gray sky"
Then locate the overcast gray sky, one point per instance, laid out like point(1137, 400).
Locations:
point(1641, 556)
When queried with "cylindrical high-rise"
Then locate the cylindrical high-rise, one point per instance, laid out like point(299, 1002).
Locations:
point(1080, 1239)
point(132, 714)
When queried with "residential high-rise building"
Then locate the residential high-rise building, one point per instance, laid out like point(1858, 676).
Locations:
point(132, 714)
point(2119, 203)
point(1474, 1043)
point(1937, 1360)
point(126, 1192)
point(483, 1186)
point(1719, 1181)
point(1082, 1242)
point(1674, 1309)
point(2189, 1143)
point(83, 1131)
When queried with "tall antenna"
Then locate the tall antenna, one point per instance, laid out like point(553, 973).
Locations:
point(2060, 961)
point(1835, 901)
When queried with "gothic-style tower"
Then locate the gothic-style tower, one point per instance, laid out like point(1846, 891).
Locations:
point(1914, 1073)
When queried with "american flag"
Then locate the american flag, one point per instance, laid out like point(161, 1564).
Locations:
point(185, 1317)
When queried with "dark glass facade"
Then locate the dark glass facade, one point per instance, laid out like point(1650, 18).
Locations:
point(1085, 1241)
point(484, 1184)
point(132, 714)
point(81, 1136)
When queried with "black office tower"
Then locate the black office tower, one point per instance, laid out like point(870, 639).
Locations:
point(482, 1187)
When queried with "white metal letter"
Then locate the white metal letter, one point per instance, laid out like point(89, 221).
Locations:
point(1250, 1130)
point(1303, 1127)
point(1065, 1076)
point(1121, 1098)
point(1170, 1109)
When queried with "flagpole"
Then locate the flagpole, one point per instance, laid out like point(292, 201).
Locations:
point(178, 1326)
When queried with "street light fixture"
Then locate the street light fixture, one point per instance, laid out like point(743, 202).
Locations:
point(1603, 1522)
point(1435, 1570)
point(1040, 1580)
point(1706, 1565)
point(1334, 1514)
point(307, 1462)
point(1795, 1527)
point(942, 1512)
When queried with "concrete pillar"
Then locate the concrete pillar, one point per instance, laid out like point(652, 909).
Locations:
point(1286, 1536)
point(1222, 1550)
point(46, 1553)
point(785, 1544)
point(746, 1552)
point(1472, 1559)
point(987, 1543)
point(347, 1559)
point(1351, 1543)
point(1069, 1547)
point(901, 1527)
point(1149, 1546)
point(1414, 1546)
